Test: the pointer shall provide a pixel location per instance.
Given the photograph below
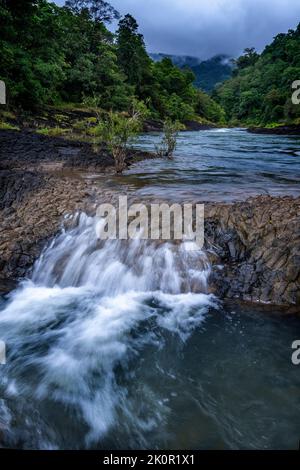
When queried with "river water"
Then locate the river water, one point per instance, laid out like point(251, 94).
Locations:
point(118, 344)
point(222, 165)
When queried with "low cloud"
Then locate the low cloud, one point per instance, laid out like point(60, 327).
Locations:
point(204, 28)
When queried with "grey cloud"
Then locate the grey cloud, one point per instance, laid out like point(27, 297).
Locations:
point(204, 28)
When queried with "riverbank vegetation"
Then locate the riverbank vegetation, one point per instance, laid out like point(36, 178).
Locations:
point(57, 59)
point(118, 130)
point(168, 143)
point(260, 91)
point(52, 55)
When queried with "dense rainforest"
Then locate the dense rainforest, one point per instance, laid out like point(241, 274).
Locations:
point(212, 71)
point(53, 55)
point(260, 91)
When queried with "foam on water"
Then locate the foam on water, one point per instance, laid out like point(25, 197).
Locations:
point(89, 309)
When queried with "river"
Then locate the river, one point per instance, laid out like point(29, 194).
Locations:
point(118, 344)
point(222, 165)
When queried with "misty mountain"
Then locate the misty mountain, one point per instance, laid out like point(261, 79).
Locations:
point(178, 60)
point(208, 73)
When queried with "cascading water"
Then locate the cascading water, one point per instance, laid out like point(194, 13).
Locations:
point(76, 331)
point(117, 344)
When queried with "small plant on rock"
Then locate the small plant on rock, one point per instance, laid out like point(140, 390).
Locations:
point(168, 144)
point(119, 130)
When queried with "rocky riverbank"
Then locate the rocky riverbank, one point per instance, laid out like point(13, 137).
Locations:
point(78, 123)
point(279, 130)
point(254, 246)
point(42, 179)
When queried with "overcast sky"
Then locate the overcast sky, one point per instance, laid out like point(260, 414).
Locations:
point(203, 28)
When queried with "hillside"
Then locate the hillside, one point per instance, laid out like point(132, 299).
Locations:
point(212, 72)
point(208, 72)
point(260, 91)
point(178, 60)
point(51, 55)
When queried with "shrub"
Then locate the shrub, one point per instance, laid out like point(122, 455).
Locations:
point(53, 131)
point(168, 144)
point(119, 130)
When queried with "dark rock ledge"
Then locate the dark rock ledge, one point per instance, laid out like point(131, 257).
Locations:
point(254, 247)
point(292, 129)
point(41, 180)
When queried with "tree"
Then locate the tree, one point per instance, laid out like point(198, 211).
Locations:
point(51, 54)
point(173, 93)
point(209, 109)
point(249, 58)
point(99, 10)
point(260, 91)
point(132, 56)
point(32, 66)
point(93, 67)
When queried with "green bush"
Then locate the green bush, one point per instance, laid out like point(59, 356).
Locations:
point(168, 143)
point(119, 130)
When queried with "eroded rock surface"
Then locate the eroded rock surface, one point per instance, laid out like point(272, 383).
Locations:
point(255, 249)
point(42, 180)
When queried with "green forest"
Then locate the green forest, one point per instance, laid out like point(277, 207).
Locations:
point(259, 93)
point(53, 55)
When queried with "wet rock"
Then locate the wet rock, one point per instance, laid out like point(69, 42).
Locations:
point(197, 126)
point(258, 244)
point(279, 130)
point(40, 182)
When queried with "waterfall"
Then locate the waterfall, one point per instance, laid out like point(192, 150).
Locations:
point(75, 330)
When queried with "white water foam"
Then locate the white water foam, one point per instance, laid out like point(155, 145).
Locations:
point(90, 308)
